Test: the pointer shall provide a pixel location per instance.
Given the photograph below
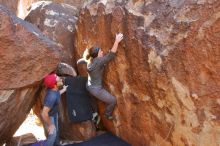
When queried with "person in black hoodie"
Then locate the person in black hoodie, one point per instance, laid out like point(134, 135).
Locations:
point(95, 65)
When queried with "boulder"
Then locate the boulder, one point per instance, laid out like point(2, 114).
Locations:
point(166, 76)
point(15, 105)
point(26, 54)
point(56, 21)
point(64, 69)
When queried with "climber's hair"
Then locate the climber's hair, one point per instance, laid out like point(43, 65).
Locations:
point(91, 53)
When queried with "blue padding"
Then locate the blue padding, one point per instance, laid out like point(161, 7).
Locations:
point(78, 99)
point(106, 139)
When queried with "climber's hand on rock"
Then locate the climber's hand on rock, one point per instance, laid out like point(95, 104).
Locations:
point(118, 37)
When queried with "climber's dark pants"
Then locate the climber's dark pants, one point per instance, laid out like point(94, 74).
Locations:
point(104, 96)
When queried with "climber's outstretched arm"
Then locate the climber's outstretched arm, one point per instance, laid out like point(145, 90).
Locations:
point(108, 57)
point(118, 39)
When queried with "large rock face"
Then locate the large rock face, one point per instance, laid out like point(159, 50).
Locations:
point(166, 75)
point(26, 54)
point(26, 57)
point(57, 21)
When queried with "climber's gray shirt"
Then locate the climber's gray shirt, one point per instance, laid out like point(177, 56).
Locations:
point(95, 69)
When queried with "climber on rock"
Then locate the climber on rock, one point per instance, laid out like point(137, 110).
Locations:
point(50, 109)
point(96, 61)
